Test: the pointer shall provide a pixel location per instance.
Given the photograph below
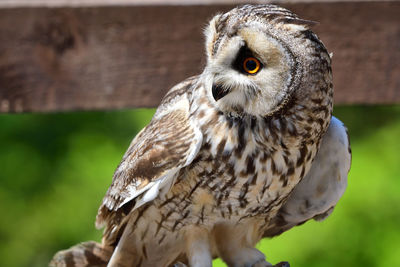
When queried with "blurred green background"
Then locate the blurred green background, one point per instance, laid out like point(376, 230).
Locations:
point(55, 169)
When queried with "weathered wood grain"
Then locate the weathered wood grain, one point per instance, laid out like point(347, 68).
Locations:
point(86, 3)
point(59, 59)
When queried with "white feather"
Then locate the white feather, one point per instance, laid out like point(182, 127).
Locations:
point(133, 192)
point(198, 137)
point(325, 183)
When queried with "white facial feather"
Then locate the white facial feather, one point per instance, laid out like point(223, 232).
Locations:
point(258, 94)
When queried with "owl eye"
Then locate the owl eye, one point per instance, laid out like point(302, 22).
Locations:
point(251, 65)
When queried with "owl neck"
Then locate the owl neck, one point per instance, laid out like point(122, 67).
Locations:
point(300, 119)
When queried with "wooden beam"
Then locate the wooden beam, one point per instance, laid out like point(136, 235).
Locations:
point(88, 58)
point(97, 3)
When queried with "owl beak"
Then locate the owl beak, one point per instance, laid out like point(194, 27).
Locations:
point(219, 92)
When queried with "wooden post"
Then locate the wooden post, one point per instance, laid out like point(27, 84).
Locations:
point(113, 57)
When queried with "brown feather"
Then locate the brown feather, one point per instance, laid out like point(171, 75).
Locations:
point(84, 254)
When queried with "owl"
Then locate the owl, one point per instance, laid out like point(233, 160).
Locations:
point(245, 150)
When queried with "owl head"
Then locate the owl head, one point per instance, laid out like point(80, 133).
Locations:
point(261, 56)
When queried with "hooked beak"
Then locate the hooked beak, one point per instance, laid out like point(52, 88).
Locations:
point(219, 92)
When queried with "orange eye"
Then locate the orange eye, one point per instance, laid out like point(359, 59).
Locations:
point(251, 65)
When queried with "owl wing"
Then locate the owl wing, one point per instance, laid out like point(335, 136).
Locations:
point(153, 159)
point(317, 194)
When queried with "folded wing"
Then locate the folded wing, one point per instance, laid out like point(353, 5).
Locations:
point(153, 159)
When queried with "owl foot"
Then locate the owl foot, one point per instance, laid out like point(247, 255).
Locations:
point(247, 257)
point(262, 263)
point(282, 264)
point(267, 264)
point(179, 264)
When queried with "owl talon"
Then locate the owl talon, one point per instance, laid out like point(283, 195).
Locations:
point(262, 263)
point(179, 264)
point(248, 257)
point(282, 264)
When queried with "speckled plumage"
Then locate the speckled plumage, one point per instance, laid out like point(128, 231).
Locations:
point(210, 176)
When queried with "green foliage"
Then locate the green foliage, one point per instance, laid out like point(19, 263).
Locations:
point(55, 169)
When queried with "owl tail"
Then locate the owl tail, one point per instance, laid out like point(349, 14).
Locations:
point(85, 254)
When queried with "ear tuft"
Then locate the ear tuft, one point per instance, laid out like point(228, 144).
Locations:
point(300, 22)
point(306, 24)
point(211, 33)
